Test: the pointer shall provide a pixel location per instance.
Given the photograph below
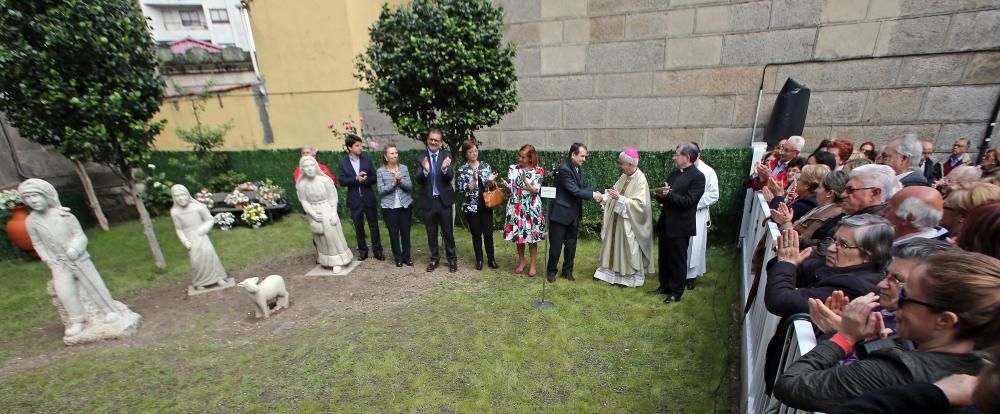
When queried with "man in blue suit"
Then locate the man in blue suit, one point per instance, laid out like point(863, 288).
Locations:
point(434, 173)
point(567, 210)
point(357, 173)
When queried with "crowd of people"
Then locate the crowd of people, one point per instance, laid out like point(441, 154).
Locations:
point(895, 257)
point(627, 231)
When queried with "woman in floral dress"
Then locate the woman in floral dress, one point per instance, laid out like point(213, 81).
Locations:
point(525, 220)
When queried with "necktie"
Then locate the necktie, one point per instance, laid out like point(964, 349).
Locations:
point(434, 173)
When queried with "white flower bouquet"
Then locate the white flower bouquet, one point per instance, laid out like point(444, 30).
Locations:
point(205, 197)
point(237, 198)
point(225, 220)
point(10, 200)
point(269, 194)
point(254, 215)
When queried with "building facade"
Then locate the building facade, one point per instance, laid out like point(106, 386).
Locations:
point(218, 22)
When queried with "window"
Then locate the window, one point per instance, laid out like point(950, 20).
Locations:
point(219, 15)
point(191, 18)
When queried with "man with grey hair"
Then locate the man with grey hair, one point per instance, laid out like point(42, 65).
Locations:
point(903, 156)
point(932, 170)
point(869, 188)
point(311, 151)
point(679, 197)
point(959, 156)
point(627, 230)
point(915, 213)
point(960, 175)
point(777, 168)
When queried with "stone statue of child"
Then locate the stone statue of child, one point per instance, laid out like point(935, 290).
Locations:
point(192, 221)
point(60, 242)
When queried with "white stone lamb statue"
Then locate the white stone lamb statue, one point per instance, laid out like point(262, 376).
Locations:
point(270, 290)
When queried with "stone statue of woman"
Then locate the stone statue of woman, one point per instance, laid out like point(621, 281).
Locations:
point(318, 195)
point(192, 221)
point(83, 301)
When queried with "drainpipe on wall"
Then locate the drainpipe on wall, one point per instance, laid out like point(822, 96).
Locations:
point(259, 93)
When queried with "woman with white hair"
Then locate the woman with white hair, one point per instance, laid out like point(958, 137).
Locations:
point(627, 230)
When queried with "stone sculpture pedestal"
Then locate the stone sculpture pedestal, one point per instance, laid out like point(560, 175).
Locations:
point(97, 329)
point(321, 271)
point(225, 284)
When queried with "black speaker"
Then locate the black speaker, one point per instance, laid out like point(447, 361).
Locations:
point(789, 114)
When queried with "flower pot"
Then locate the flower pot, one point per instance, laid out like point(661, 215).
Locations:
point(17, 231)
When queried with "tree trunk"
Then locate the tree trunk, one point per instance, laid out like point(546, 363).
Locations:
point(88, 188)
point(147, 227)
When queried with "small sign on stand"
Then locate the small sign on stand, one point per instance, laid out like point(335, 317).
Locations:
point(546, 193)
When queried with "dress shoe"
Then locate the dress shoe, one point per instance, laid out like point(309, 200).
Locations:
point(492, 264)
point(657, 291)
point(551, 277)
point(479, 265)
point(671, 299)
point(408, 262)
point(362, 256)
point(399, 263)
point(690, 284)
point(568, 277)
point(432, 266)
point(452, 267)
point(379, 256)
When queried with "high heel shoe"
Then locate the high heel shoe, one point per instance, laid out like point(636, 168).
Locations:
point(518, 270)
point(532, 273)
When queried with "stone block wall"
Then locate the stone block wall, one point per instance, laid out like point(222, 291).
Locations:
point(654, 73)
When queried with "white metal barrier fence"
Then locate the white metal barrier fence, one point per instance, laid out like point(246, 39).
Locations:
point(759, 325)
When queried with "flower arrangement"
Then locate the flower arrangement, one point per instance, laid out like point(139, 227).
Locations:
point(10, 200)
point(254, 215)
point(205, 197)
point(269, 193)
point(237, 198)
point(224, 220)
point(247, 186)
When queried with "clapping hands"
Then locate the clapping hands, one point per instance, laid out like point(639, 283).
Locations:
point(860, 322)
point(788, 248)
point(782, 214)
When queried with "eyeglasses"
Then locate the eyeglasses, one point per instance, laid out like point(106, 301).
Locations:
point(903, 301)
point(789, 150)
point(894, 279)
point(851, 190)
point(841, 243)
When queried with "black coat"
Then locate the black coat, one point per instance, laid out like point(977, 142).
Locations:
point(783, 298)
point(359, 194)
point(933, 171)
point(677, 215)
point(443, 180)
point(571, 191)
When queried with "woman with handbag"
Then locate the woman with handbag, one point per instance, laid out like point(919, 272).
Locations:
point(394, 188)
point(476, 182)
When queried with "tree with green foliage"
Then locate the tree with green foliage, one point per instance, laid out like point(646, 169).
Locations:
point(440, 64)
point(82, 77)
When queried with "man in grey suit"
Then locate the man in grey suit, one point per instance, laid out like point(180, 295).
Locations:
point(566, 211)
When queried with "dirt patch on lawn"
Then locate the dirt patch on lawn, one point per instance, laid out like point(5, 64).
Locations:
point(170, 315)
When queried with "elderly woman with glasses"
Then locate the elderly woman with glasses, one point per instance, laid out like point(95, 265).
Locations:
point(947, 307)
point(855, 262)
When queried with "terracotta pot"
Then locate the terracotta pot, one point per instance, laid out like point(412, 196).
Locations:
point(17, 231)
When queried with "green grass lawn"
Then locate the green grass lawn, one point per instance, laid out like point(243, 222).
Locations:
point(469, 345)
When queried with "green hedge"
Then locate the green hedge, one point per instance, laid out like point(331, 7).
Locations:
point(601, 170)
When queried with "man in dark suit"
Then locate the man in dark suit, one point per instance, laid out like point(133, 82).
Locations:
point(903, 156)
point(679, 198)
point(357, 173)
point(932, 170)
point(567, 210)
point(434, 173)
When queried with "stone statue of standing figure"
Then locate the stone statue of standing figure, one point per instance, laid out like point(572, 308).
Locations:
point(193, 221)
point(318, 196)
point(79, 293)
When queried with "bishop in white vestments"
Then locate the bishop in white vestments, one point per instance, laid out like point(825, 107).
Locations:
point(627, 230)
